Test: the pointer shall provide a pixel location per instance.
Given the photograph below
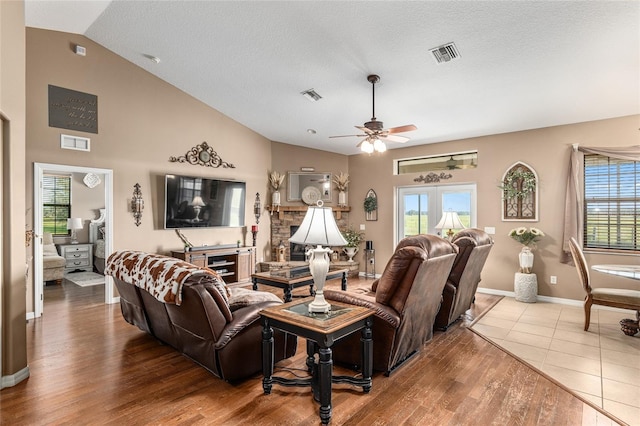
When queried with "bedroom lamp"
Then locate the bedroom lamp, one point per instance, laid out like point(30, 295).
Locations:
point(73, 224)
point(450, 220)
point(319, 228)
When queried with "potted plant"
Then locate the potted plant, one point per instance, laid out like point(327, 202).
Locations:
point(341, 180)
point(526, 237)
point(354, 239)
point(276, 179)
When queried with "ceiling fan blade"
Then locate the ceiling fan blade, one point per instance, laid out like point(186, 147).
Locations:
point(364, 129)
point(394, 138)
point(401, 129)
point(348, 136)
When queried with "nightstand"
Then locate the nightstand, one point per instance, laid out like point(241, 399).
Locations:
point(77, 257)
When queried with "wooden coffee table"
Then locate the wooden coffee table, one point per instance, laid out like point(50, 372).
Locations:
point(321, 331)
point(288, 279)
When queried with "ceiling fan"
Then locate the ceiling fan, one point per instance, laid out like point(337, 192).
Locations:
point(374, 132)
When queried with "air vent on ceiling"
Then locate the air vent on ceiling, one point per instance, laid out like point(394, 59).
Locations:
point(445, 53)
point(311, 94)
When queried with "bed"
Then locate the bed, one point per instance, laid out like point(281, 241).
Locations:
point(96, 237)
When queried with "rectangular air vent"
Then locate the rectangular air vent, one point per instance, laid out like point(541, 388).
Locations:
point(445, 53)
point(312, 95)
point(75, 142)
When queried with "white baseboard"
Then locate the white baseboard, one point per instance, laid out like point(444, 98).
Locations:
point(30, 315)
point(14, 379)
point(549, 299)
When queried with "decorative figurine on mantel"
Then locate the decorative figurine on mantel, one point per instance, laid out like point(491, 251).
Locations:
point(342, 181)
point(275, 179)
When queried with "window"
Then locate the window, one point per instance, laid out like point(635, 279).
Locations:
point(452, 161)
point(420, 207)
point(56, 203)
point(612, 203)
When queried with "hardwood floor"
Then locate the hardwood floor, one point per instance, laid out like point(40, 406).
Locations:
point(88, 366)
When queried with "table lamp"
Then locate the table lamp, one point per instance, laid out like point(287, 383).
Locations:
point(197, 204)
point(450, 220)
point(73, 224)
point(319, 228)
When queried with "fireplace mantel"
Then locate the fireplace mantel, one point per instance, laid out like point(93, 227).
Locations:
point(280, 210)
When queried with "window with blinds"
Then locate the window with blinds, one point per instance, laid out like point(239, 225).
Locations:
point(612, 203)
point(56, 203)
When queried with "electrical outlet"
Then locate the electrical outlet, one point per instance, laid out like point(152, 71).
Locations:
point(554, 279)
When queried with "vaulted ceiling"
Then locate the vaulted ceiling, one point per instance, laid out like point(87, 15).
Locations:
point(522, 65)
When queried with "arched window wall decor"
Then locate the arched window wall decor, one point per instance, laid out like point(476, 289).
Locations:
point(520, 193)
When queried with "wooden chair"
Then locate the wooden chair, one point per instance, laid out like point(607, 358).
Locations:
point(614, 297)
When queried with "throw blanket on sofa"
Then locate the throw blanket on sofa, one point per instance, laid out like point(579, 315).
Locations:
point(160, 276)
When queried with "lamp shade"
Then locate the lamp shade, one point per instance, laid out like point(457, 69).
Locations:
point(197, 201)
point(74, 223)
point(319, 228)
point(450, 220)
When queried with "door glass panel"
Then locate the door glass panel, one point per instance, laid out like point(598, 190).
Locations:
point(415, 214)
point(459, 202)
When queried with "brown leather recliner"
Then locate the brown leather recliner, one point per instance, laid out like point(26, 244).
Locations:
point(222, 332)
point(405, 300)
point(473, 246)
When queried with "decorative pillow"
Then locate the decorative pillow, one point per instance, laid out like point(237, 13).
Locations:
point(242, 297)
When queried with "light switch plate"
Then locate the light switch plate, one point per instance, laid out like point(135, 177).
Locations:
point(362, 226)
point(490, 230)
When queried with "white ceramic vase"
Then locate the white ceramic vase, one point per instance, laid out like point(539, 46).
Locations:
point(526, 260)
point(350, 251)
point(275, 198)
point(342, 199)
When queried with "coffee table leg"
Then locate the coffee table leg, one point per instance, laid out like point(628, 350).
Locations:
point(325, 371)
point(267, 355)
point(255, 284)
point(344, 281)
point(311, 350)
point(367, 355)
point(287, 294)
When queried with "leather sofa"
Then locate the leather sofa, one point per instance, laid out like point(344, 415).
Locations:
point(192, 310)
point(459, 292)
point(405, 299)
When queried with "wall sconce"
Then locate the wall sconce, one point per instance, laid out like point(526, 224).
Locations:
point(257, 209)
point(137, 204)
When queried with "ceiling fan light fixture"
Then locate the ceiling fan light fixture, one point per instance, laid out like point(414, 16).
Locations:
point(367, 147)
point(311, 95)
point(379, 146)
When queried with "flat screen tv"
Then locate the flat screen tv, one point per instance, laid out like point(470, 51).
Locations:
point(198, 202)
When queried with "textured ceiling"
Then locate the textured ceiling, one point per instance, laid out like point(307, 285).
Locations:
point(522, 65)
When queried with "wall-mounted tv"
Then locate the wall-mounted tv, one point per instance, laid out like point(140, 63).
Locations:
point(198, 202)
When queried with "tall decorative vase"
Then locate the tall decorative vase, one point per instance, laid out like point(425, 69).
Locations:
point(275, 198)
point(342, 199)
point(350, 251)
point(526, 260)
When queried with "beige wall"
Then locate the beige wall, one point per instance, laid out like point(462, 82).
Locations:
point(12, 225)
point(142, 122)
point(547, 151)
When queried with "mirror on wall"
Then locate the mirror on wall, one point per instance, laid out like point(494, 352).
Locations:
point(309, 187)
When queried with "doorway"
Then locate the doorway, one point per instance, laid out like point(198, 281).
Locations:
point(419, 208)
point(39, 170)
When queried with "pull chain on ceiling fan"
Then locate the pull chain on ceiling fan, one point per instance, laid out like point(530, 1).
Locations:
point(374, 131)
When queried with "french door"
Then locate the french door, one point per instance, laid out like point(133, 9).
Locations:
point(419, 208)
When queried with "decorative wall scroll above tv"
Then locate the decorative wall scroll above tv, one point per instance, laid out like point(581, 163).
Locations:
point(69, 109)
point(520, 193)
point(432, 177)
point(202, 155)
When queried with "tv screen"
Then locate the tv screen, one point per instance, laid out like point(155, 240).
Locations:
point(197, 202)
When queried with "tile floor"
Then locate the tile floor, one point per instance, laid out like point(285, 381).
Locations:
point(602, 365)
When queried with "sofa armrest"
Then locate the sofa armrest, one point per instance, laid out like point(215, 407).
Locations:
point(242, 318)
point(386, 313)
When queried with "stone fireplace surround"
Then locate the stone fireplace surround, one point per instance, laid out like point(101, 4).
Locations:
point(288, 216)
point(291, 216)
